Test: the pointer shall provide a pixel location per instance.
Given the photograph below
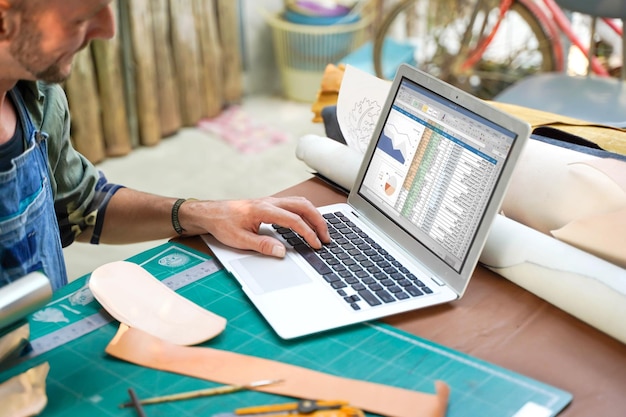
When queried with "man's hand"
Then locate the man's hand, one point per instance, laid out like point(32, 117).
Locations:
point(236, 223)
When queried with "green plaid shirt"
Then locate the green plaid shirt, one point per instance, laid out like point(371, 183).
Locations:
point(81, 192)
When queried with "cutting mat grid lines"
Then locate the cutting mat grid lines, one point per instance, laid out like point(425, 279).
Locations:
point(83, 380)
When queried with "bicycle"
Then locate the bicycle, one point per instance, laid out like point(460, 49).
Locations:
point(483, 46)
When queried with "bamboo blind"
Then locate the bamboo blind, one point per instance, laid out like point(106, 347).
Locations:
point(171, 63)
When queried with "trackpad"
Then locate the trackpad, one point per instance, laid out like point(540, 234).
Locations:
point(265, 274)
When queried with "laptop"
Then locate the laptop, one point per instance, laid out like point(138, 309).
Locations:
point(415, 222)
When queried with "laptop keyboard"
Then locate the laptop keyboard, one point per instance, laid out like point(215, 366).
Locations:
point(355, 266)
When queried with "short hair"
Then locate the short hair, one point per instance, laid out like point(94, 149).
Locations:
point(18, 5)
point(25, 5)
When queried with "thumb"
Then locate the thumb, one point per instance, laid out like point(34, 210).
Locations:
point(268, 245)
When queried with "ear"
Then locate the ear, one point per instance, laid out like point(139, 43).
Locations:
point(7, 20)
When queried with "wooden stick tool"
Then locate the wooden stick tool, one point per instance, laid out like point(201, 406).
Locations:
point(225, 389)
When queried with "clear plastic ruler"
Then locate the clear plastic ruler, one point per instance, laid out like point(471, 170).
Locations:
point(97, 320)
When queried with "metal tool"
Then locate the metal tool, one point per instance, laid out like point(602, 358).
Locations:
point(225, 389)
point(135, 403)
point(18, 299)
point(306, 408)
point(23, 296)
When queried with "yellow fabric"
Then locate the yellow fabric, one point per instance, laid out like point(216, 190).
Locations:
point(329, 90)
point(609, 138)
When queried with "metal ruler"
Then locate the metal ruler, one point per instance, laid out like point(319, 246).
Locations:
point(97, 320)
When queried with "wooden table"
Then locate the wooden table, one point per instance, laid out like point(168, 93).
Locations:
point(504, 324)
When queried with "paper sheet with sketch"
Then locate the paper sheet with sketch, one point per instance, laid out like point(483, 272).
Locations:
point(361, 98)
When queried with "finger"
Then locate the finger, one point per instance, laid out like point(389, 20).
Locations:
point(301, 227)
point(303, 218)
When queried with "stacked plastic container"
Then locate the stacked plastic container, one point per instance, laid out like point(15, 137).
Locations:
point(308, 35)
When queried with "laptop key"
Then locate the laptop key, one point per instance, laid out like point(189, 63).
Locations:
point(394, 289)
point(401, 295)
point(338, 284)
point(369, 298)
point(311, 257)
point(362, 274)
point(294, 241)
point(331, 277)
point(385, 296)
point(352, 280)
point(345, 273)
point(413, 290)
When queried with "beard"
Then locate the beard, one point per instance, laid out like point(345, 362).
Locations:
point(26, 50)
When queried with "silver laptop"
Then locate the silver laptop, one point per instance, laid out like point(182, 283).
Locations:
point(414, 225)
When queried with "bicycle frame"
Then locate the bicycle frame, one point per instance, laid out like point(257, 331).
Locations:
point(557, 21)
point(542, 18)
point(564, 24)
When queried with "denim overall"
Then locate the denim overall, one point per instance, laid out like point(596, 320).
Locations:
point(29, 233)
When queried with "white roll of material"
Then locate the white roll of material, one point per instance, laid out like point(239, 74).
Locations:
point(576, 281)
point(330, 158)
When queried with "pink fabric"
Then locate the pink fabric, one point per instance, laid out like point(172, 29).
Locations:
point(242, 131)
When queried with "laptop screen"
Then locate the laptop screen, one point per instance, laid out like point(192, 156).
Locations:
point(434, 170)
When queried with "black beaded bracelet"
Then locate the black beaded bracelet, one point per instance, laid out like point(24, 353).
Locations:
point(175, 221)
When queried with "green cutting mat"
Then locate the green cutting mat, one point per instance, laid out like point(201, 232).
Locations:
point(84, 381)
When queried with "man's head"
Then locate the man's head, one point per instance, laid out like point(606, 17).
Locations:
point(39, 38)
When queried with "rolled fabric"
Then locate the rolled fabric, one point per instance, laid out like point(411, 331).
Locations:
point(574, 197)
point(585, 286)
point(330, 158)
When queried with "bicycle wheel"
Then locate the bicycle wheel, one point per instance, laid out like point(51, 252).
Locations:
point(452, 41)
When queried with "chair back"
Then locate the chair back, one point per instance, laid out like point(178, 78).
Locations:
point(614, 9)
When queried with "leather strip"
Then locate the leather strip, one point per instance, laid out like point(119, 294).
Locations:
point(226, 367)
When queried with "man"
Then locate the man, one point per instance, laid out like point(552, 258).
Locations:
point(50, 195)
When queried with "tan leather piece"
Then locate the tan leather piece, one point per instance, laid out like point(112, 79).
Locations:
point(602, 235)
point(25, 394)
point(133, 296)
point(579, 199)
point(225, 367)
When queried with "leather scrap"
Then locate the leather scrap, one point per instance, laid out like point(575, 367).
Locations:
point(329, 90)
point(141, 348)
point(25, 394)
point(134, 296)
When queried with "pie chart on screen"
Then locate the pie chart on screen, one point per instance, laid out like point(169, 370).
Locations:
point(391, 184)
